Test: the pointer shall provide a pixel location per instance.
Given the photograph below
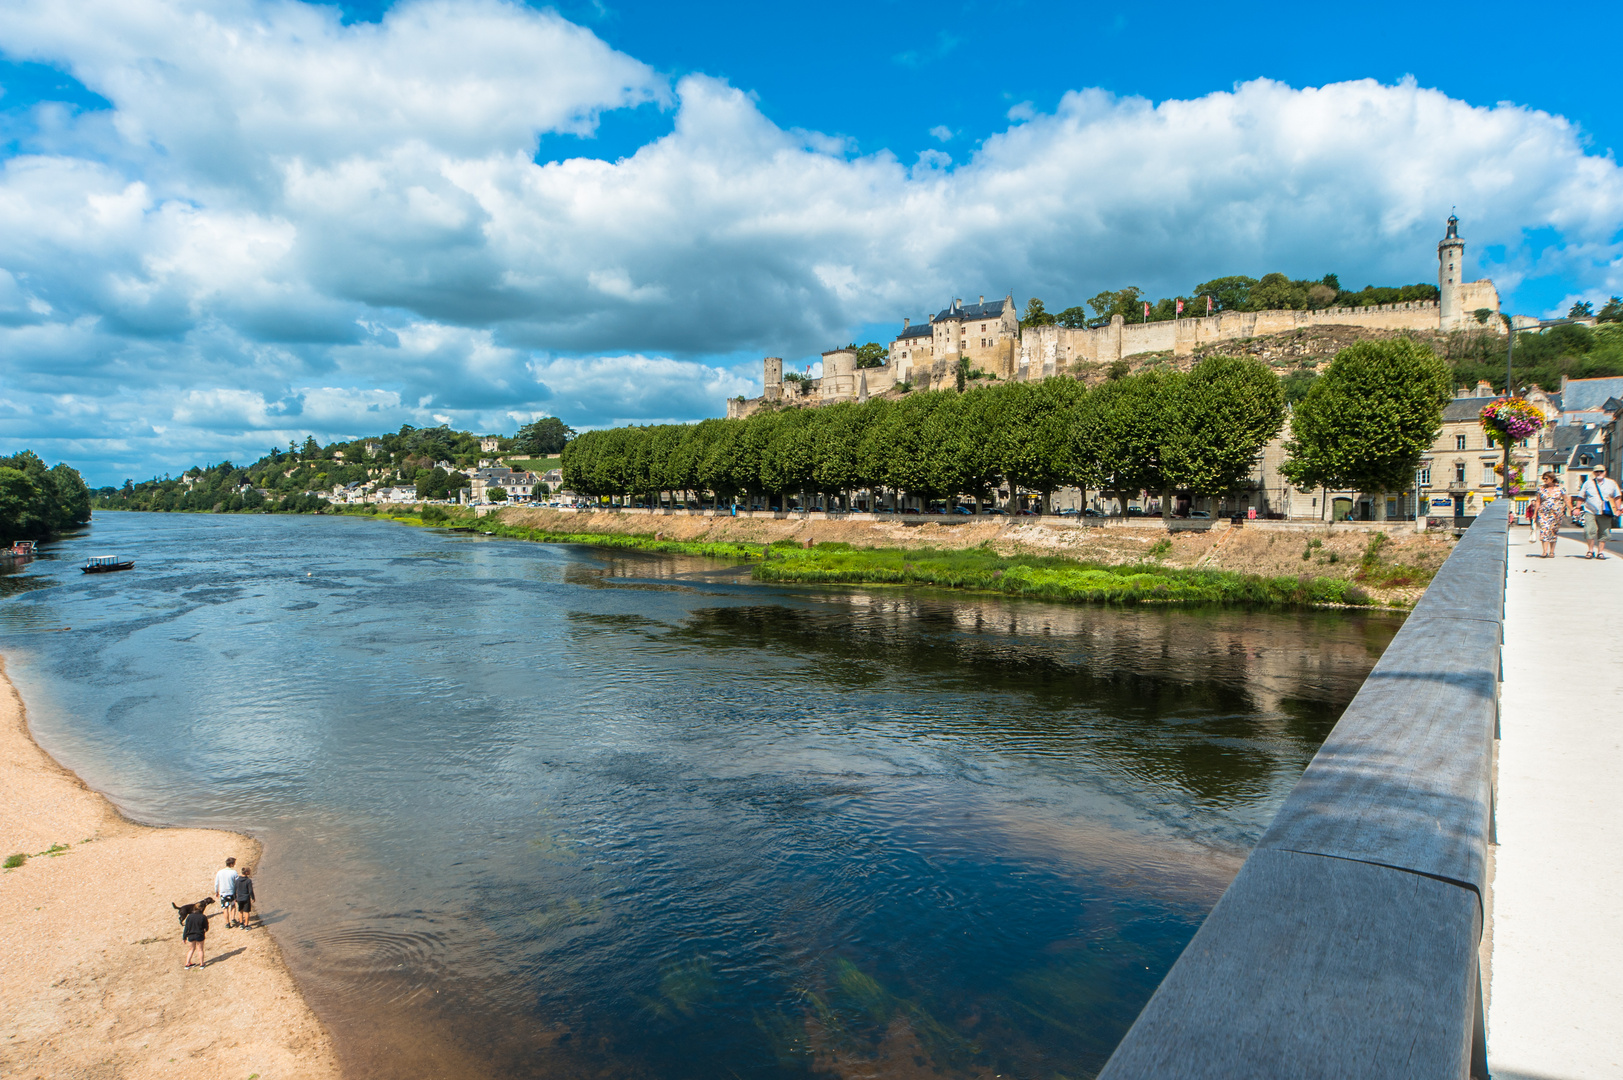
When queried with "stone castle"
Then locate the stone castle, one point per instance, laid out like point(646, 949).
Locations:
point(989, 335)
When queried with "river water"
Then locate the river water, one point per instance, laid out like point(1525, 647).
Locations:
point(546, 811)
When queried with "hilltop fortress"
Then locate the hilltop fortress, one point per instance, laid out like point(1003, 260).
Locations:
point(989, 335)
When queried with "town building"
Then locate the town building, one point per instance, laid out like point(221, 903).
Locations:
point(515, 485)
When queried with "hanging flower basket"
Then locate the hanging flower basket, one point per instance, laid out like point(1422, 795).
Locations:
point(1510, 420)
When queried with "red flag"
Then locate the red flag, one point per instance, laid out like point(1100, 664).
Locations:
point(1146, 310)
point(1180, 308)
point(1208, 305)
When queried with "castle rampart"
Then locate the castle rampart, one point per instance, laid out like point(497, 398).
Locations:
point(990, 337)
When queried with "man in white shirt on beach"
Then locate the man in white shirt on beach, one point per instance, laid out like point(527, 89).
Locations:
point(225, 889)
point(1600, 497)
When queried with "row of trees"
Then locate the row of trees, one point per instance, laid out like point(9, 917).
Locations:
point(1159, 430)
point(1362, 425)
point(36, 502)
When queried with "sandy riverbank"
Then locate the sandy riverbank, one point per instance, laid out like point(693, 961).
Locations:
point(91, 984)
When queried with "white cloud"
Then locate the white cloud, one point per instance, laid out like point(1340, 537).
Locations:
point(941, 132)
point(285, 222)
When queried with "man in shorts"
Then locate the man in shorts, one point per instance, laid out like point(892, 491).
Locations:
point(1600, 497)
point(225, 890)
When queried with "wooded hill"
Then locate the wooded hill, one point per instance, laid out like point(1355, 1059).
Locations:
point(292, 479)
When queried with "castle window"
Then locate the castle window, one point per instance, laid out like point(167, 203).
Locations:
point(1459, 442)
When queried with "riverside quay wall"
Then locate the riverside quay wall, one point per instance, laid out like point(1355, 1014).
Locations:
point(989, 336)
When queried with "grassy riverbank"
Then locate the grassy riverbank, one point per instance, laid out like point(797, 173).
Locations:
point(1051, 577)
point(1044, 577)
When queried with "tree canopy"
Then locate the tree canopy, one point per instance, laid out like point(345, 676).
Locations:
point(36, 502)
point(1366, 421)
point(543, 438)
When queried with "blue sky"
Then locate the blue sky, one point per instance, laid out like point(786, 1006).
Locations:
point(230, 224)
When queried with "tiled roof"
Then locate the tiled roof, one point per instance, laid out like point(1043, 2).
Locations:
point(1465, 408)
point(992, 309)
point(915, 330)
point(1566, 436)
point(1584, 395)
point(1587, 454)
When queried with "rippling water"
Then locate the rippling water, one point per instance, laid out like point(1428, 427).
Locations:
point(541, 811)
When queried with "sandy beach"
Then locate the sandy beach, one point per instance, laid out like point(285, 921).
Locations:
point(92, 983)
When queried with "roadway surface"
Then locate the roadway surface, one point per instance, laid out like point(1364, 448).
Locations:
point(1555, 1008)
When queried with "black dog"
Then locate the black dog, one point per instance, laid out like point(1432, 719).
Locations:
point(186, 909)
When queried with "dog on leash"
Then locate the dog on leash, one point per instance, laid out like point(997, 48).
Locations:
point(183, 910)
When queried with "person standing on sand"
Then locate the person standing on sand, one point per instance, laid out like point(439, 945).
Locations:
point(225, 888)
point(245, 896)
point(193, 930)
point(1552, 506)
point(1600, 497)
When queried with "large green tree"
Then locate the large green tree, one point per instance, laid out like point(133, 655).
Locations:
point(1032, 438)
point(1225, 411)
point(543, 437)
point(36, 502)
point(1130, 420)
point(1367, 420)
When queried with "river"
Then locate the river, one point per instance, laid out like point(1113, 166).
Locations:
point(550, 811)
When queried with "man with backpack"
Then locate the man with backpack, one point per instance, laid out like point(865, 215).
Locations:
point(1600, 497)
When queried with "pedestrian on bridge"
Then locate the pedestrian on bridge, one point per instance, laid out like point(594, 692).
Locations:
point(1553, 506)
point(1600, 497)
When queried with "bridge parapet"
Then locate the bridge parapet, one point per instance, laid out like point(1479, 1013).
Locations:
point(1347, 944)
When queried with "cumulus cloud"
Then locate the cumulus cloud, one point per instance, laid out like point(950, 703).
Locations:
point(286, 225)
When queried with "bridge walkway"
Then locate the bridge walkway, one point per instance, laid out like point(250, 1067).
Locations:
point(1555, 1003)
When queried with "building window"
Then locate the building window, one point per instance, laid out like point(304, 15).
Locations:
point(1459, 473)
point(1422, 476)
point(1487, 473)
point(1459, 442)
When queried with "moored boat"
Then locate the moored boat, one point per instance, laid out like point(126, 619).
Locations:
point(106, 564)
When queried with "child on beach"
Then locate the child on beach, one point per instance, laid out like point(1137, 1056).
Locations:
point(193, 931)
point(245, 896)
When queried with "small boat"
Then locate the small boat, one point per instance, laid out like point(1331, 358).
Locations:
point(106, 564)
point(22, 549)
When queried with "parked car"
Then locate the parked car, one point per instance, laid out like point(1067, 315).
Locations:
point(1091, 512)
point(910, 510)
point(1200, 514)
point(1069, 511)
point(967, 511)
point(1135, 511)
point(997, 510)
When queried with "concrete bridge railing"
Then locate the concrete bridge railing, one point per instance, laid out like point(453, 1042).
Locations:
point(1347, 945)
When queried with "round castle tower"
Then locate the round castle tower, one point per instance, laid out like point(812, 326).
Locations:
point(1450, 270)
point(839, 373)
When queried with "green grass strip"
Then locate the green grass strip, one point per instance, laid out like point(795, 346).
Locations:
point(1052, 577)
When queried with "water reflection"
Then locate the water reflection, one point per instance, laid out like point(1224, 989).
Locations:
point(540, 811)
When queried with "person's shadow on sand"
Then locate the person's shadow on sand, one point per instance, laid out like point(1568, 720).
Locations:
point(211, 961)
